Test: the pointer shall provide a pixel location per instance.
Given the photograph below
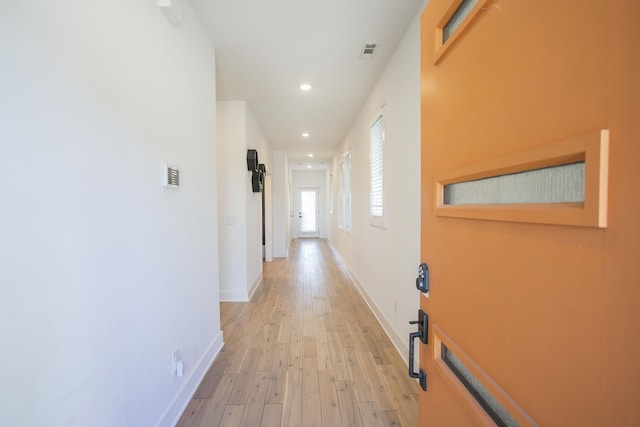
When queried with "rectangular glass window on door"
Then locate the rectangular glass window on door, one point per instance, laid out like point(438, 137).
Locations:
point(309, 213)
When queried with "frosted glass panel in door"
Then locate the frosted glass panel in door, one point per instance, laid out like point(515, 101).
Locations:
point(556, 184)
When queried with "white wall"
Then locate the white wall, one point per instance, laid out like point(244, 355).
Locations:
point(232, 200)
point(281, 211)
point(240, 208)
point(104, 272)
point(310, 179)
point(386, 260)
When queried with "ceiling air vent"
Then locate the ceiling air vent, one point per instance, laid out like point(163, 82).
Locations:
point(368, 50)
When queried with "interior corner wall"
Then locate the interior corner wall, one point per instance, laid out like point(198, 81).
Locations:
point(232, 200)
point(240, 208)
point(384, 262)
point(105, 273)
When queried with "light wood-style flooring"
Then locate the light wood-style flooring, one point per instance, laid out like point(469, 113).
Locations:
point(305, 351)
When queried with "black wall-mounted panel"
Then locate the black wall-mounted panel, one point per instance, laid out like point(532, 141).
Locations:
point(252, 160)
point(256, 185)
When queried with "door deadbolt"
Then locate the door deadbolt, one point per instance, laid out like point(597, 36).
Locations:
point(422, 282)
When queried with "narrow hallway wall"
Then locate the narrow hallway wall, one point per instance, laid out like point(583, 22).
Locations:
point(105, 273)
point(384, 261)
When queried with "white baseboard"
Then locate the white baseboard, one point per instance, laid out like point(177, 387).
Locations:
point(240, 296)
point(255, 285)
point(172, 414)
point(400, 343)
point(234, 296)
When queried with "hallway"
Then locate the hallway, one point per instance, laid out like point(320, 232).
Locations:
point(305, 351)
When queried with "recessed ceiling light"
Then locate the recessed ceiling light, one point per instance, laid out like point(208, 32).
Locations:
point(305, 86)
point(305, 134)
point(310, 154)
point(308, 166)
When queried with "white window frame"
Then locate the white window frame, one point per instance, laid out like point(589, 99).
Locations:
point(344, 193)
point(377, 186)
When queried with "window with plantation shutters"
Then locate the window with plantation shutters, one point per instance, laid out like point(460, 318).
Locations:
point(376, 170)
point(344, 193)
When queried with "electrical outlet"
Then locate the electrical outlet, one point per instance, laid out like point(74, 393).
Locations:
point(176, 363)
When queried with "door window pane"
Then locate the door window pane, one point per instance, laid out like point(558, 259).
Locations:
point(489, 403)
point(458, 16)
point(557, 184)
point(308, 208)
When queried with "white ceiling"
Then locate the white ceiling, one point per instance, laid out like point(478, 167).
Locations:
point(266, 48)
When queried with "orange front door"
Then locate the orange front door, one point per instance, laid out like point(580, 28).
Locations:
point(538, 301)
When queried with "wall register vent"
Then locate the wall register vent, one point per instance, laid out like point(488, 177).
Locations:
point(171, 176)
point(368, 50)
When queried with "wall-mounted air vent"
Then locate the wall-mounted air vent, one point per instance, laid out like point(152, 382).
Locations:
point(368, 50)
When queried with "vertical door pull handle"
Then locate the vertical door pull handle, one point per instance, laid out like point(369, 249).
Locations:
point(421, 375)
point(423, 329)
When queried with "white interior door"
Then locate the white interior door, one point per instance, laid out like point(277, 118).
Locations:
point(308, 212)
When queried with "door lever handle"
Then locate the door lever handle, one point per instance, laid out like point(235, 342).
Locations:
point(423, 326)
point(422, 333)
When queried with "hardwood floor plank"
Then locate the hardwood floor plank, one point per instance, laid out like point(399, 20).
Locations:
point(376, 344)
point(308, 348)
point(311, 411)
point(295, 356)
point(266, 357)
point(232, 416)
point(284, 331)
point(292, 407)
point(235, 364)
point(307, 324)
point(310, 376)
point(397, 371)
point(371, 416)
point(383, 397)
point(338, 362)
point(395, 376)
point(272, 415)
point(296, 330)
point(329, 403)
point(391, 419)
point(323, 356)
point(360, 382)
point(320, 333)
point(245, 377)
point(277, 377)
point(211, 379)
point(255, 403)
point(214, 408)
point(348, 404)
point(406, 401)
point(357, 337)
point(192, 414)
